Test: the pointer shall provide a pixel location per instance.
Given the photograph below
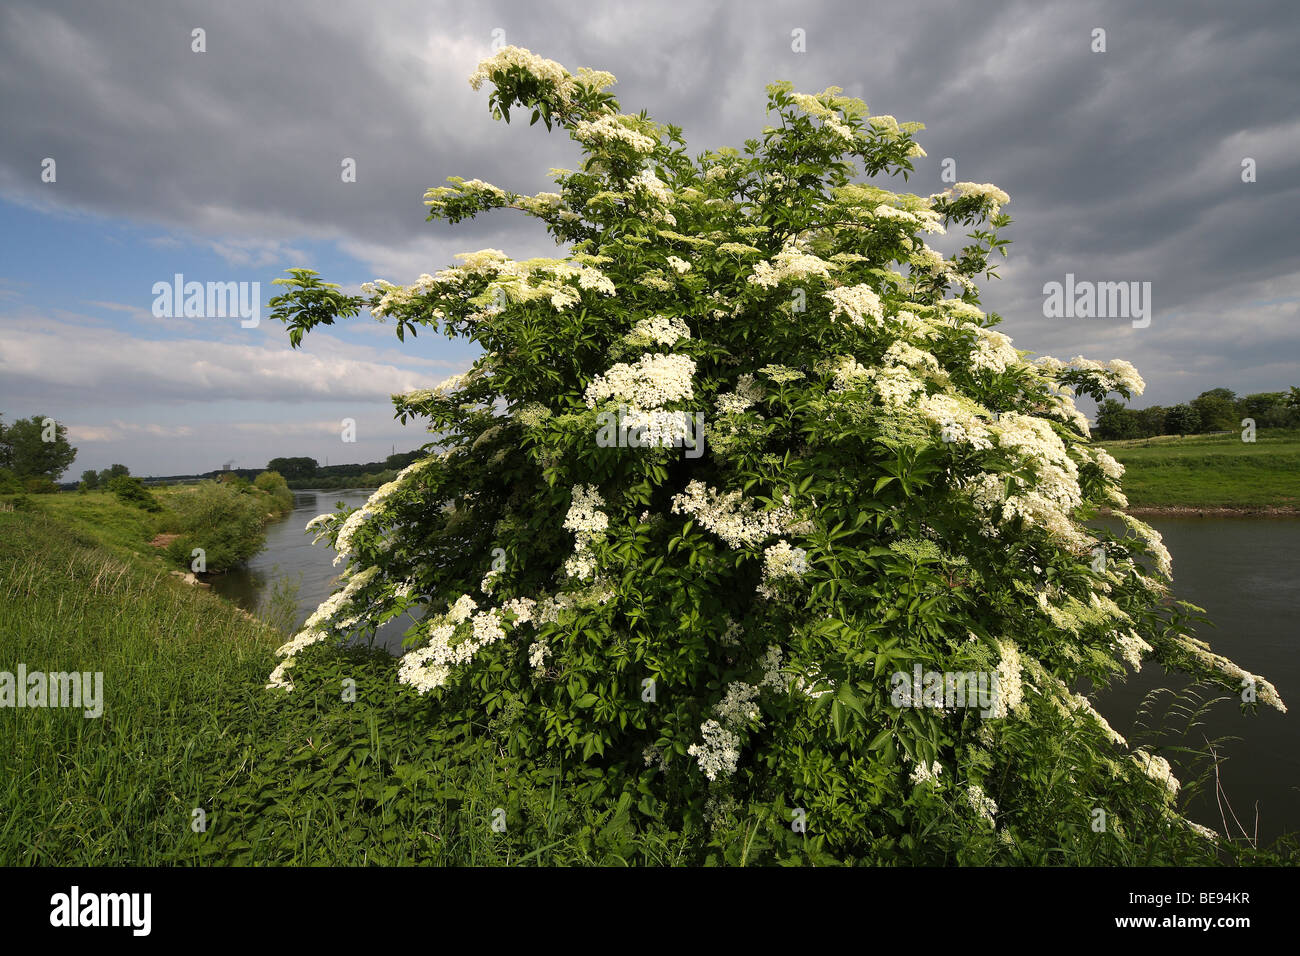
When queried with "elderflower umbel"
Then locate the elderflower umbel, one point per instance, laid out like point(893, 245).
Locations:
point(719, 751)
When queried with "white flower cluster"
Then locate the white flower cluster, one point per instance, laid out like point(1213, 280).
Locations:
point(958, 420)
point(657, 190)
point(848, 373)
point(681, 266)
point(1010, 690)
point(1154, 543)
point(1057, 492)
point(774, 673)
point(719, 751)
point(1132, 647)
point(738, 707)
point(661, 429)
point(588, 524)
point(1158, 769)
point(1116, 372)
point(895, 385)
point(652, 382)
point(541, 69)
point(857, 303)
point(780, 561)
point(790, 263)
point(908, 355)
point(981, 803)
point(614, 129)
point(508, 279)
point(995, 197)
point(925, 219)
point(430, 666)
point(736, 521)
point(781, 374)
point(927, 774)
point(830, 118)
point(993, 351)
point(658, 330)
point(532, 414)
point(747, 393)
point(1264, 690)
point(1108, 465)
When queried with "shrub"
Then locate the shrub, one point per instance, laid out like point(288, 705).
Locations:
point(227, 524)
point(131, 491)
point(39, 485)
point(274, 484)
point(716, 634)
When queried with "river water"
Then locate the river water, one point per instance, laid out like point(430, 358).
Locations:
point(1245, 572)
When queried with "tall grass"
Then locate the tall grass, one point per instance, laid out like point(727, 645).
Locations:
point(117, 789)
point(307, 778)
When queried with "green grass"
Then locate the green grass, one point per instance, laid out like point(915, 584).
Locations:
point(175, 660)
point(1212, 471)
point(301, 778)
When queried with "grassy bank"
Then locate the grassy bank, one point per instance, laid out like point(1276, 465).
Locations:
point(1212, 472)
point(228, 523)
point(306, 778)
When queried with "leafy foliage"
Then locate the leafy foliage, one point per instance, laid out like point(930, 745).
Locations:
point(704, 639)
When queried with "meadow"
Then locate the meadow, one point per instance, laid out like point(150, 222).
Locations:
point(1212, 471)
point(193, 761)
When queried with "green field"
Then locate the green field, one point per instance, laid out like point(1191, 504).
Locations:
point(1212, 471)
point(187, 725)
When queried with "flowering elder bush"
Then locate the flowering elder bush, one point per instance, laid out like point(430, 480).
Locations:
point(708, 636)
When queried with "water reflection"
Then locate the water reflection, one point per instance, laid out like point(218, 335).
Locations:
point(290, 554)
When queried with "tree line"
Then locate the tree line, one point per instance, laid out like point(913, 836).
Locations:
point(1217, 410)
point(305, 472)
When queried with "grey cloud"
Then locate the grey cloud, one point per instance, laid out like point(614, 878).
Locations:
point(1121, 165)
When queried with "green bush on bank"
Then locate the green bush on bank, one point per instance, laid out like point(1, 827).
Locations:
point(226, 523)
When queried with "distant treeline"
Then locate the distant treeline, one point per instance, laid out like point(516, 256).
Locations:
point(307, 473)
point(1217, 410)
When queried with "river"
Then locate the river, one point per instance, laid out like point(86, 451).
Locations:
point(1245, 572)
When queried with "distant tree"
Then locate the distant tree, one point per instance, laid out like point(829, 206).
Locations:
point(1115, 421)
point(398, 462)
point(293, 467)
point(1259, 404)
point(6, 450)
point(1217, 409)
point(1150, 421)
point(111, 472)
point(1182, 420)
point(89, 480)
point(31, 456)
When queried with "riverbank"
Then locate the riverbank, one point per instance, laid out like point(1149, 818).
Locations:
point(186, 758)
point(228, 523)
point(1212, 475)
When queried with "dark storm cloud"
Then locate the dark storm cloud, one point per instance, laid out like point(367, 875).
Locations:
point(1123, 165)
